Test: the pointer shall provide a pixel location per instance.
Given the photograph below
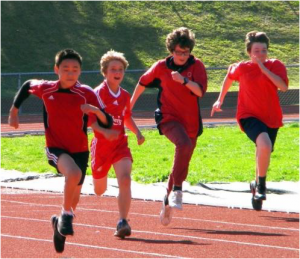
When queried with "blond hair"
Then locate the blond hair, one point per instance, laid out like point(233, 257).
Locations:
point(110, 56)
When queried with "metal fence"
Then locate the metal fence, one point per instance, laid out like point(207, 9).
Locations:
point(11, 82)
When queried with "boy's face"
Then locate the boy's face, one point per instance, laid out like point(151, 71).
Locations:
point(115, 72)
point(181, 55)
point(259, 51)
point(68, 72)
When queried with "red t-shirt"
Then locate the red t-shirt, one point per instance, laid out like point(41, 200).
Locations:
point(118, 106)
point(258, 96)
point(65, 123)
point(175, 101)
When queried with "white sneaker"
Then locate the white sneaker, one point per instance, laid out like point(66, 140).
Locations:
point(175, 200)
point(165, 214)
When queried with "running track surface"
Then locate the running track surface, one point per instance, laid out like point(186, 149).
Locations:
point(197, 231)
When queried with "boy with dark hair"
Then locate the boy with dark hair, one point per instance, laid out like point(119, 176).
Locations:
point(106, 153)
point(65, 131)
point(181, 79)
point(258, 112)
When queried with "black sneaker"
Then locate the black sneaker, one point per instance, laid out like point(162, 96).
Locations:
point(58, 239)
point(260, 194)
point(123, 229)
point(64, 225)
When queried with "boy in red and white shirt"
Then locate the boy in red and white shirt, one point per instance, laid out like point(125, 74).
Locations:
point(106, 153)
point(258, 111)
point(65, 131)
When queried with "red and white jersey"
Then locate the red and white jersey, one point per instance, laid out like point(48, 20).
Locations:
point(65, 123)
point(117, 105)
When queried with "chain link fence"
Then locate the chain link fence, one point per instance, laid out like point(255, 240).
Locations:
point(11, 82)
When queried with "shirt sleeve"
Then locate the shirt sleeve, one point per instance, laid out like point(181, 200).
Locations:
point(149, 78)
point(28, 88)
point(279, 69)
point(200, 76)
point(234, 72)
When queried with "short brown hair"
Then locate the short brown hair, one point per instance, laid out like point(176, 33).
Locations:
point(255, 36)
point(183, 37)
point(110, 56)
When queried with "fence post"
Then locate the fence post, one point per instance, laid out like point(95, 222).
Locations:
point(19, 87)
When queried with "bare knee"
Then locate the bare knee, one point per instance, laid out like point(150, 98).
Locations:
point(125, 181)
point(73, 175)
point(99, 190)
point(264, 144)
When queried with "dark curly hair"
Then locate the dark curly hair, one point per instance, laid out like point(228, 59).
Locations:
point(183, 37)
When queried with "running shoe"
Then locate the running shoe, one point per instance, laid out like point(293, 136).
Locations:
point(176, 200)
point(123, 229)
point(64, 224)
point(166, 213)
point(260, 193)
point(58, 239)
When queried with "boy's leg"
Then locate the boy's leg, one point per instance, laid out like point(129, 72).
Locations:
point(264, 139)
point(76, 197)
point(263, 153)
point(184, 147)
point(123, 172)
point(67, 166)
point(100, 185)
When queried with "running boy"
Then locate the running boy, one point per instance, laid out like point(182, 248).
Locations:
point(258, 111)
point(65, 131)
point(106, 153)
point(181, 80)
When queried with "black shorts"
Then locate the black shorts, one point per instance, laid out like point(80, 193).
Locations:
point(253, 127)
point(81, 159)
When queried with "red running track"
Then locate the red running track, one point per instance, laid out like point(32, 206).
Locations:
point(197, 231)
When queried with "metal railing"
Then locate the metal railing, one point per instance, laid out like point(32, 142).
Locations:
point(11, 82)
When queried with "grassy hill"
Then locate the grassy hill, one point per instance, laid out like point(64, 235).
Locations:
point(32, 32)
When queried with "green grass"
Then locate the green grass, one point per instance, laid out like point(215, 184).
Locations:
point(223, 154)
point(33, 32)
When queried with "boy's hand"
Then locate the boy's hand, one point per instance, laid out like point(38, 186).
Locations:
point(13, 119)
point(216, 108)
point(88, 108)
point(177, 77)
point(140, 138)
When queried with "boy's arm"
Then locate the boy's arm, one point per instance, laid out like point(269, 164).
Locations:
point(225, 87)
point(130, 124)
point(21, 96)
point(103, 118)
point(192, 86)
point(276, 80)
point(139, 89)
point(109, 134)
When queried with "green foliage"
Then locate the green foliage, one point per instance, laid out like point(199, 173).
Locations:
point(32, 32)
point(222, 154)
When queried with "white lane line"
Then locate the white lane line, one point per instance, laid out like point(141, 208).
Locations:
point(167, 234)
point(155, 216)
point(92, 246)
